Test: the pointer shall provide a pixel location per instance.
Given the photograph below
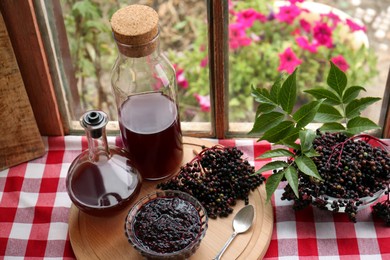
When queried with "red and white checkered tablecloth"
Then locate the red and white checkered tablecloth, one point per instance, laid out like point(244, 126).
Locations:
point(34, 210)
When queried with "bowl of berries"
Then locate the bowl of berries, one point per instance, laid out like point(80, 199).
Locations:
point(338, 167)
point(354, 170)
point(166, 224)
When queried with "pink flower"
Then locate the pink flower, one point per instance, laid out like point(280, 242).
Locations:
point(354, 26)
point(288, 61)
point(237, 36)
point(231, 7)
point(305, 25)
point(297, 32)
point(255, 37)
point(288, 13)
point(157, 84)
point(204, 62)
point(249, 16)
point(204, 102)
point(304, 43)
point(296, 1)
point(323, 34)
point(181, 78)
point(340, 62)
point(334, 18)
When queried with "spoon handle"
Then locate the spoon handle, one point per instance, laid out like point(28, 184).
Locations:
point(218, 257)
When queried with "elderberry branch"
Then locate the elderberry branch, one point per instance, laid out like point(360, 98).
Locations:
point(217, 177)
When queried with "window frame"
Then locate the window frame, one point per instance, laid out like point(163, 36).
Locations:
point(35, 61)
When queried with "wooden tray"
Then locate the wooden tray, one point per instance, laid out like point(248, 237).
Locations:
point(104, 238)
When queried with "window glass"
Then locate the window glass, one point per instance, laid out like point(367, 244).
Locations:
point(270, 37)
point(183, 39)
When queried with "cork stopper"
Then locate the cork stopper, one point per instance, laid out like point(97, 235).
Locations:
point(135, 28)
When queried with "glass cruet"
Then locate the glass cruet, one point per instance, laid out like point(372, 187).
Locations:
point(101, 180)
point(144, 84)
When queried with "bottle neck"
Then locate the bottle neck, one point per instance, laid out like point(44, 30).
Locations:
point(150, 56)
point(97, 146)
point(150, 48)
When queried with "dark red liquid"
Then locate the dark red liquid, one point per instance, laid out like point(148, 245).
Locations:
point(150, 129)
point(105, 187)
point(167, 225)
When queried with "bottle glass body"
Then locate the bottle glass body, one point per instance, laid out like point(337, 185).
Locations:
point(101, 180)
point(146, 98)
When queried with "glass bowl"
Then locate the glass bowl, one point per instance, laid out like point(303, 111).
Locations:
point(365, 201)
point(326, 201)
point(166, 224)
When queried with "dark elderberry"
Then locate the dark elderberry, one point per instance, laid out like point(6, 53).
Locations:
point(351, 168)
point(217, 177)
point(382, 209)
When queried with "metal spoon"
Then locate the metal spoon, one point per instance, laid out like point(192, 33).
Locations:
point(241, 223)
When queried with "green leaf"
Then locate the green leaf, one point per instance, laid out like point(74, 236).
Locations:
point(360, 124)
point(262, 96)
point(275, 153)
point(327, 113)
point(307, 138)
point(354, 108)
point(312, 153)
point(332, 127)
point(320, 93)
point(265, 92)
point(351, 93)
point(86, 9)
point(290, 138)
point(306, 113)
point(288, 93)
point(307, 166)
point(278, 132)
point(272, 183)
point(266, 121)
point(264, 108)
point(272, 166)
point(337, 79)
point(180, 25)
point(291, 145)
point(292, 178)
point(274, 92)
point(99, 26)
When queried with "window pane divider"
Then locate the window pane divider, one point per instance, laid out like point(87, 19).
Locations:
point(218, 49)
point(384, 120)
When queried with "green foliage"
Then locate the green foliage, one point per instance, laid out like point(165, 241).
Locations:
point(287, 95)
point(273, 182)
point(334, 106)
point(92, 49)
point(290, 173)
point(266, 121)
point(93, 53)
point(257, 63)
point(276, 153)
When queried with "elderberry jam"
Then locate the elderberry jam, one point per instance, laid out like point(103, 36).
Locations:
point(166, 225)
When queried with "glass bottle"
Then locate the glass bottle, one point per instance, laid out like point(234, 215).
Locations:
point(101, 180)
point(144, 85)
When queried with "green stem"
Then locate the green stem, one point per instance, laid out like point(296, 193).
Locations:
point(344, 114)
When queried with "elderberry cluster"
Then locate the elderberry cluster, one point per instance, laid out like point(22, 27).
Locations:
point(382, 210)
point(351, 169)
point(217, 177)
